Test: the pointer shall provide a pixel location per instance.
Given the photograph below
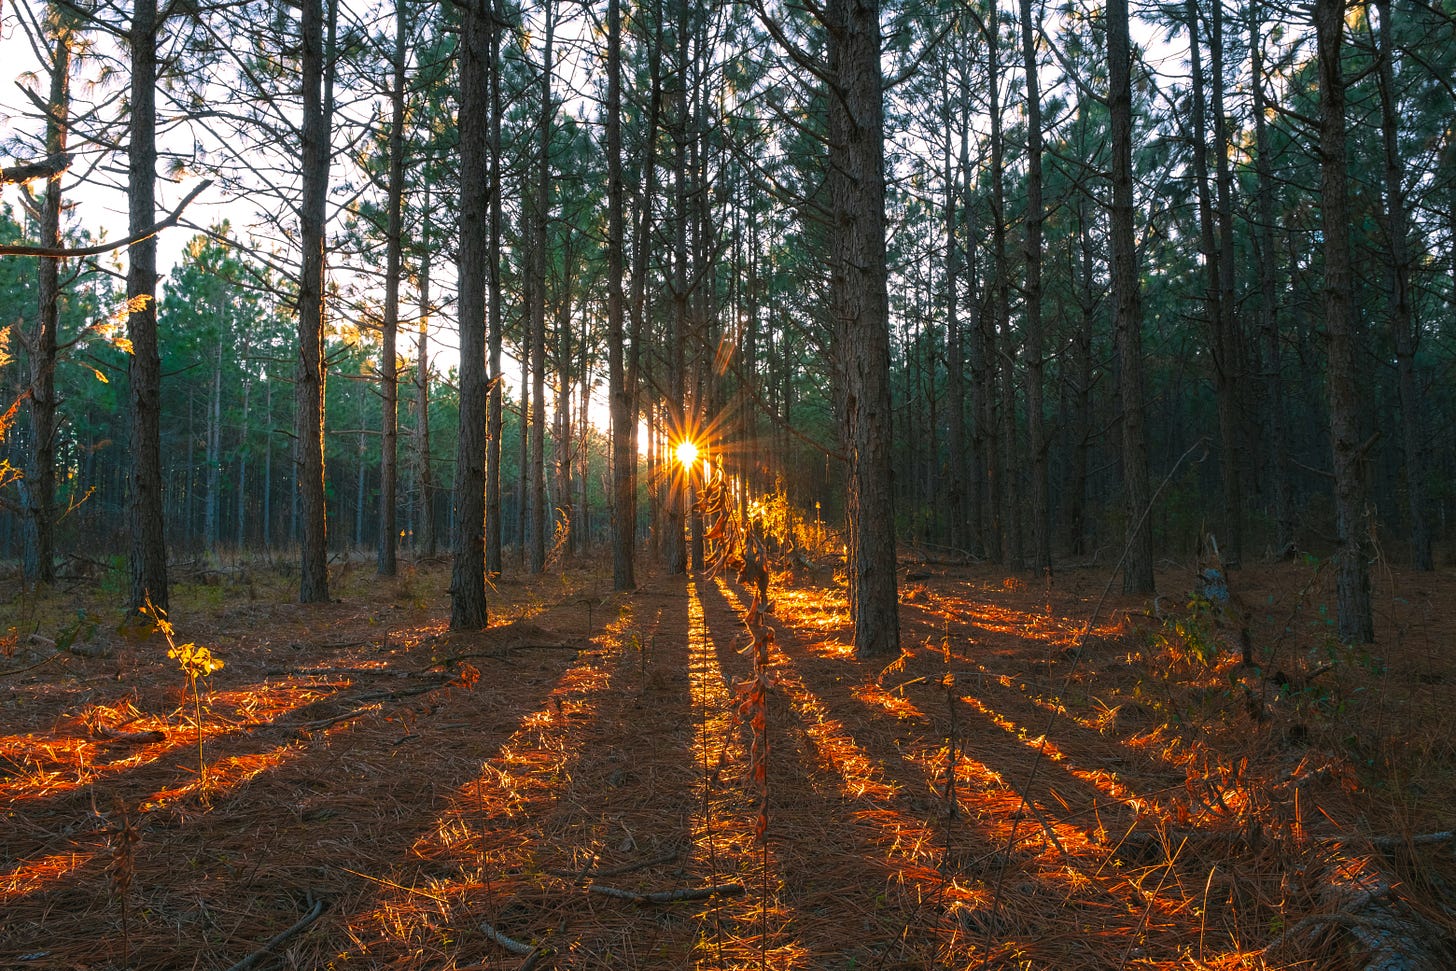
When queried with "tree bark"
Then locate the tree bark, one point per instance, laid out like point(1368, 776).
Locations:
point(389, 362)
point(495, 417)
point(212, 508)
point(38, 486)
point(1002, 348)
point(1273, 375)
point(467, 579)
point(148, 558)
point(1403, 329)
point(623, 520)
point(309, 417)
point(425, 538)
point(1355, 623)
point(1230, 364)
point(536, 500)
point(860, 301)
point(1137, 574)
point(675, 550)
point(1041, 551)
point(955, 385)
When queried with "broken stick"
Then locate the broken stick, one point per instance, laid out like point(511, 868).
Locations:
point(252, 960)
point(509, 943)
point(669, 896)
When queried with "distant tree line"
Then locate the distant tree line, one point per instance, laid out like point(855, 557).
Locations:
point(1032, 283)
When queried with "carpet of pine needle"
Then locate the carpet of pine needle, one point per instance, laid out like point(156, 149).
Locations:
point(1050, 776)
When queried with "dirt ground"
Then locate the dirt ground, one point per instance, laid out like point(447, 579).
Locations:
point(1051, 776)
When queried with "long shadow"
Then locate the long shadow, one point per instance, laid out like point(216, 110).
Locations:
point(614, 797)
point(1058, 813)
point(849, 852)
point(259, 844)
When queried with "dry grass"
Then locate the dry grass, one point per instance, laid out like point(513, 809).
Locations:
point(1019, 790)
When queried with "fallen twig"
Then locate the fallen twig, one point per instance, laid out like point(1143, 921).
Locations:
point(146, 737)
point(314, 726)
point(252, 959)
point(403, 692)
point(617, 871)
point(669, 896)
point(80, 650)
point(30, 667)
point(509, 943)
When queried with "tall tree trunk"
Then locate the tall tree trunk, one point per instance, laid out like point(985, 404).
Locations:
point(495, 419)
point(954, 342)
point(268, 469)
point(1137, 574)
point(1231, 368)
point(536, 531)
point(675, 548)
point(1213, 289)
point(1401, 318)
point(642, 247)
point(860, 300)
point(561, 413)
point(1268, 296)
point(1041, 526)
point(309, 392)
point(467, 578)
point(1355, 623)
point(148, 538)
point(212, 508)
point(244, 452)
point(1003, 360)
point(623, 456)
point(389, 358)
point(1080, 424)
point(38, 486)
point(425, 539)
point(523, 457)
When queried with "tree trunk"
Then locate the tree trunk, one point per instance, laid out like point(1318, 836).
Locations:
point(1273, 375)
point(536, 523)
point(1231, 368)
point(389, 369)
point(243, 454)
point(425, 540)
point(642, 246)
point(1401, 318)
point(467, 578)
point(212, 509)
point(1355, 624)
point(675, 548)
point(148, 539)
point(1137, 574)
point(494, 416)
point(314, 574)
point(268, 468)
point(860, 301)
point(561, 413)
point(1041, 550)
point(1213, 296)
point(1002, 362)
point(38, 486)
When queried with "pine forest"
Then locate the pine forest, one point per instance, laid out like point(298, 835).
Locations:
point(727, 484)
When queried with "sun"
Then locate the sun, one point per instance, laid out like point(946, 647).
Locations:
point(687, 453)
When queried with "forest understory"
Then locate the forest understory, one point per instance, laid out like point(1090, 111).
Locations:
point(1051, 776)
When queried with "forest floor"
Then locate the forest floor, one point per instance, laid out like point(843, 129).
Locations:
point(1052, 776)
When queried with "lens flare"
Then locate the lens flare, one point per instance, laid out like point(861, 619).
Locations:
point(687, 453)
